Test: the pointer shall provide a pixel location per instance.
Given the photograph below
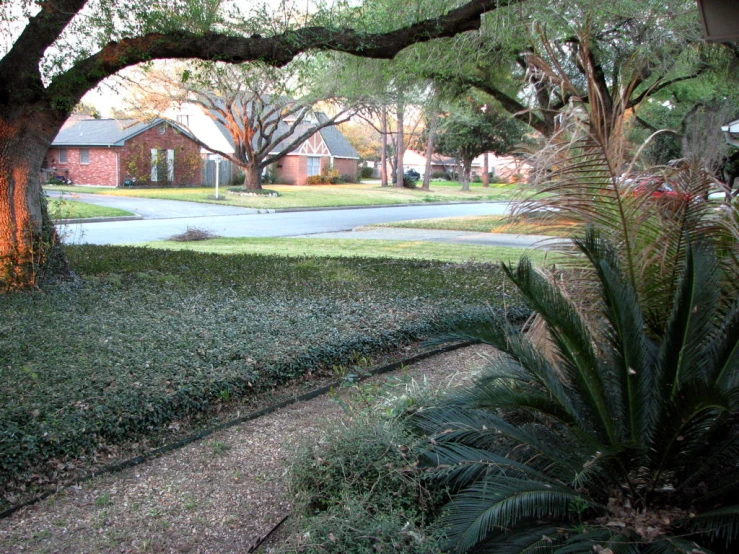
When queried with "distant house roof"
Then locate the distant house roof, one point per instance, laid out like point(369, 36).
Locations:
point(104, 132)
point(335, 141)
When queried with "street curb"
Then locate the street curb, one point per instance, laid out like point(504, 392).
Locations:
point(97, 219)
point(283, 210)
point(310, 395)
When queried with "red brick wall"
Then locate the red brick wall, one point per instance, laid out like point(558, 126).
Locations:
point(347, 167)
point(295, 168)
point(101, 169)
point(135, 160)
point(292, 170)
point(110, 166)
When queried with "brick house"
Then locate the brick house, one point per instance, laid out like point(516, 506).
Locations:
point(110, 152)
point(325, 148)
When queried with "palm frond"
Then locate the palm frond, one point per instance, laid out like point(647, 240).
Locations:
point(632, 353)
point(724, 351)
point(481, 429)
point(537, 539)
point(465, 464)
point(599, 539)
point(691, 322)
point(721, 524)
point(495, 504)
point(573, 341)
point(675, 545)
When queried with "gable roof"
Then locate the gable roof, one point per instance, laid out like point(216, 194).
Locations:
point(104, 132)
point(337, 145)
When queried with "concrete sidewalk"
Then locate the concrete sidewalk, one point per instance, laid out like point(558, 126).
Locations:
point(432, 235)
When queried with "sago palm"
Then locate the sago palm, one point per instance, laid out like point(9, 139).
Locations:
point(622, 441)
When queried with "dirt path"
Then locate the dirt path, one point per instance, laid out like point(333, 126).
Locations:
point(220, 495)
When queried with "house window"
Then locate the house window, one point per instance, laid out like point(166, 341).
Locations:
point(314, 166)
point(62, 155)
point(183, 119)
point(162, 165)
point(84, 155)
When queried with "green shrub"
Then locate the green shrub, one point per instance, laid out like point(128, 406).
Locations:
point(358, 489)
point(623, 440)
point(366, 172)
point(441, 175)
point(353, 528)
point(372, 459)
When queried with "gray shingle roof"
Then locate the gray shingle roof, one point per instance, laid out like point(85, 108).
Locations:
point(335, 141)
point(337, 144)
point(102, 132)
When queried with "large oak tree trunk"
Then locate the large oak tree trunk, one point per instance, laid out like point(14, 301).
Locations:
point(252, 178)
point(28, 240)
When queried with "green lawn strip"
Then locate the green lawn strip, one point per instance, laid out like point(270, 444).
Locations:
point(154, 336)
point(489, 224)
point(69, 209)
point(316, 196)
point(395, 249)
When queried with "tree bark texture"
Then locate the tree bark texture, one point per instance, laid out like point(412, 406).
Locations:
point(27, 237)
point(466, 172)
point(252, 178)
point(485, 170)
point(400, 146)
point(383, 154)
point(430, 143)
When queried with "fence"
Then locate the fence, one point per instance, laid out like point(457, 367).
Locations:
point(209, 173)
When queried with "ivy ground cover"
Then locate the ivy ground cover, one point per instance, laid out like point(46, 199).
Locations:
point(148, 337)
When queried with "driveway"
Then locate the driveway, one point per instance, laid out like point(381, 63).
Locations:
point(153, 208)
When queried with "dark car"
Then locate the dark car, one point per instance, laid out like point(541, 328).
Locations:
point(412, 175)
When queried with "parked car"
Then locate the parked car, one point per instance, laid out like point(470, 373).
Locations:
point(59, 180)
point(412, 175)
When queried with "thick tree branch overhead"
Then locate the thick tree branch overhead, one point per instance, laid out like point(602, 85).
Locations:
point(277, 50)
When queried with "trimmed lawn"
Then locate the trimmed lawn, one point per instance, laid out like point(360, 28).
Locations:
point(320, 196)
point(155, 342)
point(69, 209)
point(395, 249)
point(491, 224)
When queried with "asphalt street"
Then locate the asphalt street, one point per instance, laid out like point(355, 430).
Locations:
point(161, 219)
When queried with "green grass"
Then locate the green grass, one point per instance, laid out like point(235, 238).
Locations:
point(489, 224)
point(319, 196)
point(69, 209)
point(394, 249)
point(154, 336)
